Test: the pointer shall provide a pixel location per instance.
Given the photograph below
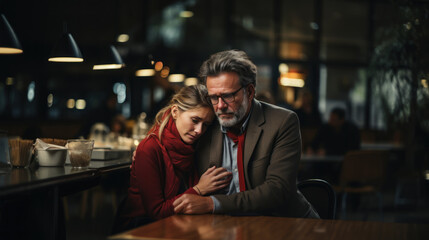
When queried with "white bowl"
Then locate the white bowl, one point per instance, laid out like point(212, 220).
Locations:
point(52, 157)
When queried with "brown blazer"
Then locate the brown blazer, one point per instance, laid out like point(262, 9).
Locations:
point(271, 157)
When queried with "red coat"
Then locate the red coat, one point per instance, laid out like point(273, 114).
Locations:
point(154, 182)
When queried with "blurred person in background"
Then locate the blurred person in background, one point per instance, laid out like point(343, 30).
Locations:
point(163, 167)
point(307, 111)
point(336, 137)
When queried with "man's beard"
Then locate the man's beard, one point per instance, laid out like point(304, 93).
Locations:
point(237, 116)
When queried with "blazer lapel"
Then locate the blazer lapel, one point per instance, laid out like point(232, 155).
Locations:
point(254, 130)
point(216, 147)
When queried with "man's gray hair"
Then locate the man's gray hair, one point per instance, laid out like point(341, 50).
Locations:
point(230, 61)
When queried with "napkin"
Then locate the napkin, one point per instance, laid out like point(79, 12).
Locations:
point(41, 145)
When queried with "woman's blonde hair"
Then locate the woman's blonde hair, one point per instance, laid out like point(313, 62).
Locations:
point(188, 98)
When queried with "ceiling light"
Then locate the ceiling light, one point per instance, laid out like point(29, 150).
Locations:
point(145, 72)
point(123, 38)
point(283, 68)
point(109, 59)
point(158, 66)
point(292, 82)
point(9, 43)
point(66, 49)
point(165, 72)
point(176, 78)
point(292, 79)
point(191, 81)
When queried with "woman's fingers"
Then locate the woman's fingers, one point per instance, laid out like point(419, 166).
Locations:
point(178, 205)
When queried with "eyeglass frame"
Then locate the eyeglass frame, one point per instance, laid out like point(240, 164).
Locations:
point(222, 96)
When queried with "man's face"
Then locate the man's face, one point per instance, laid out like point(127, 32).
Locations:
point(230, 114)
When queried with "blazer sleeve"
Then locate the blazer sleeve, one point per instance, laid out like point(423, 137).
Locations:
point(150, 174)
point(277, 194)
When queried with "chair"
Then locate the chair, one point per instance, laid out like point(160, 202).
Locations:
point(321, 195)
point(362, 172)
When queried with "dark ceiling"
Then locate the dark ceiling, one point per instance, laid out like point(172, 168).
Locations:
point(94, 25)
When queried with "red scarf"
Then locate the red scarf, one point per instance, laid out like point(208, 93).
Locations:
point(178, 158)
point(181, 154)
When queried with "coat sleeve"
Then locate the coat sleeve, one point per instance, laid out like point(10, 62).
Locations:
point(149, 173)
point(279, 186)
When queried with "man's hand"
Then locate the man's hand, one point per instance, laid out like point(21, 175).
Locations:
point(193, 204)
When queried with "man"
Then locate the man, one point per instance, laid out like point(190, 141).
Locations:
point(258, 142)
point(336, 137)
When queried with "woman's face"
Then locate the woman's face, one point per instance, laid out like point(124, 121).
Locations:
point(193, 123)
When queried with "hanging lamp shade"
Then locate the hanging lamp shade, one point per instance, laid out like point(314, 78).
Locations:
point(66, 50)
point(9, 43)
point(109, 59)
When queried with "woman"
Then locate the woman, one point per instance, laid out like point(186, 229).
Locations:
point(163, 168)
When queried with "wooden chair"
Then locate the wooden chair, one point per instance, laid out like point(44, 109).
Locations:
point(321, 195)
point(362, 172)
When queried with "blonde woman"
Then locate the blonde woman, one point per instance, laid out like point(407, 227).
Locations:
point(164, 169)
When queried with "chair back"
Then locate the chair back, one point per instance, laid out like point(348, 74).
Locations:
point(364, 167)
point(321, 195)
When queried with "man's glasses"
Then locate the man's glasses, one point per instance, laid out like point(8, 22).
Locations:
point(226, 97)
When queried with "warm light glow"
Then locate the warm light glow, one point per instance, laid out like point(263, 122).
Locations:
point(165, 71)
point(425, 83)
point(80, 104)
point(191, 81)
point(70, 103)
point(123, 38)
point(145, 72)
point(290, 95)
point(176, 78)
point(283, 68)
point(158, 66)
point(6, 50)
point(291, 82)
point(107, 66)
point(186, 14)
point(9, 81)
point(50, 100)
point(291, 79)
point(65, 59)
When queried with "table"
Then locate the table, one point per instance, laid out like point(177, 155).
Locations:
point(382, 146)
point(30, 197)
point(262, 227)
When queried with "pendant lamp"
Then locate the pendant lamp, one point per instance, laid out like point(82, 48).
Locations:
point(109, 59)
point(9, 43)
point(66, 49)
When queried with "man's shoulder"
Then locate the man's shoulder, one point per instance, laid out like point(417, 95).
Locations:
point(274, 110)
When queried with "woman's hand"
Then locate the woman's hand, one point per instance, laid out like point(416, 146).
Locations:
point(212, 180)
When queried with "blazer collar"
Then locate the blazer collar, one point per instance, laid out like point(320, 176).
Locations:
point(254, 130)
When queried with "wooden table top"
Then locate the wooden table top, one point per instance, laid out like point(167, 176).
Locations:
point(260, 227)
